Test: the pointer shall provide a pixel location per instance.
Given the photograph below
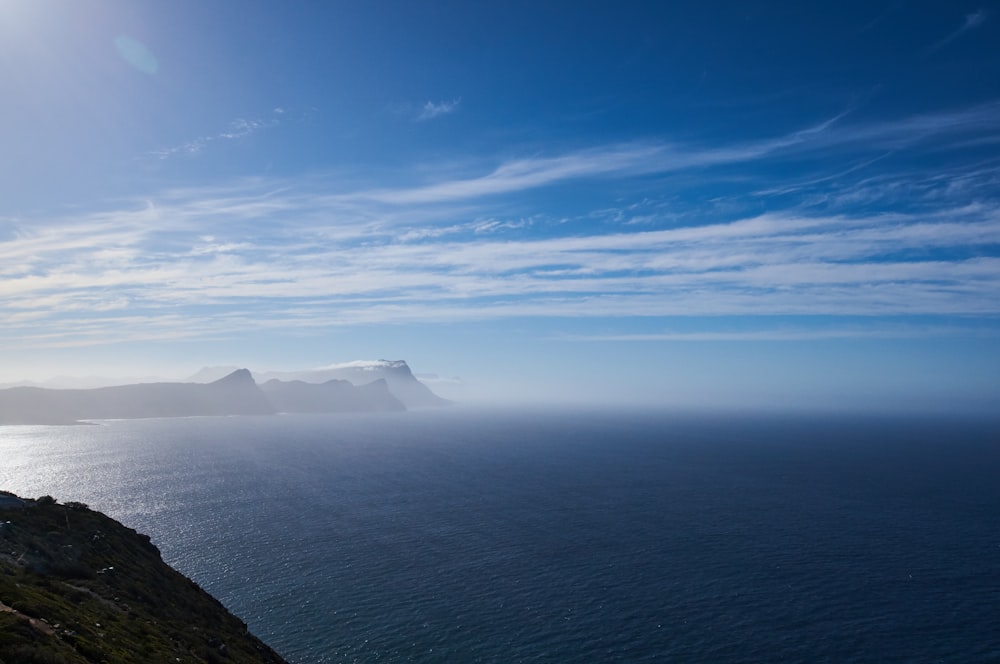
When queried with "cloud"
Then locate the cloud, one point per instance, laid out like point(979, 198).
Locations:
point(822, 140)
point(528, 173)
point(369, 365)
point(975, 19)
point(431, 110)
point(241, 127)
point(972, 21)
point(766, 265)
point(189, 148)
point(304, 256)
point(237, 129)
point(783, 334)
point(881, 16)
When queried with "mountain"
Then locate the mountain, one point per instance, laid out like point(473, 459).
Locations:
point(236, 394)
point(333, 396)
point(210, 374)
point(412, 390)
point(89, 382)
point(396, 373)
point(77, 586)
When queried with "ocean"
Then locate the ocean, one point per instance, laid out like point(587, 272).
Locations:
point(462, 535)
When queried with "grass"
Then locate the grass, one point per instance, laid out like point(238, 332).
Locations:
point(77, 586)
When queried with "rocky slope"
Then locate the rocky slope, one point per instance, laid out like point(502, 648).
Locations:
point(77, 586)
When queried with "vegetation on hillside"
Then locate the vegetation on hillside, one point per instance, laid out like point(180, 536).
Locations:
point(77, 586)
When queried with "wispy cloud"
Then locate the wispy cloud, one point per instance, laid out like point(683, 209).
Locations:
point(305, 256)
point(971, 22)
point(783, 333)
point(523, 174)
point(881, 16)
point(765, 265)
point(827, 138)
point(237, 129)
point(431, 109)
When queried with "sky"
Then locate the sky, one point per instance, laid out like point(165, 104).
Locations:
point(696, 204)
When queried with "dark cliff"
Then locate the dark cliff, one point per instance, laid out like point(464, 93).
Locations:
point(77, 586)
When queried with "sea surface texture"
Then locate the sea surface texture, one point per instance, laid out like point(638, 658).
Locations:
point(473, 536)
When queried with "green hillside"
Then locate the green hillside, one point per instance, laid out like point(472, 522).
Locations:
point(77, 586)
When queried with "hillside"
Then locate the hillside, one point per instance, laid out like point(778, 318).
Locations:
point(77, 586)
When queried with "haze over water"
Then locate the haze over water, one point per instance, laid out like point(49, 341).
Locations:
point(504, 536)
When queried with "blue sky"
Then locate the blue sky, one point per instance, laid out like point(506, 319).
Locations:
point(696, 204)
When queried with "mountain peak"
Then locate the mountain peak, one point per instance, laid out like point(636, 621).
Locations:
point(401, 381)
point(238, 377)
point(210, 374)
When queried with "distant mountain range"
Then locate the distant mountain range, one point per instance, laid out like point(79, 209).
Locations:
point(396, 373)
point(359, 387)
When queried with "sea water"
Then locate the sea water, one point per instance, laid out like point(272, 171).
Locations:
point(478, 536)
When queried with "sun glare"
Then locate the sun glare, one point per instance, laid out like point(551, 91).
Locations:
point(17, 11)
